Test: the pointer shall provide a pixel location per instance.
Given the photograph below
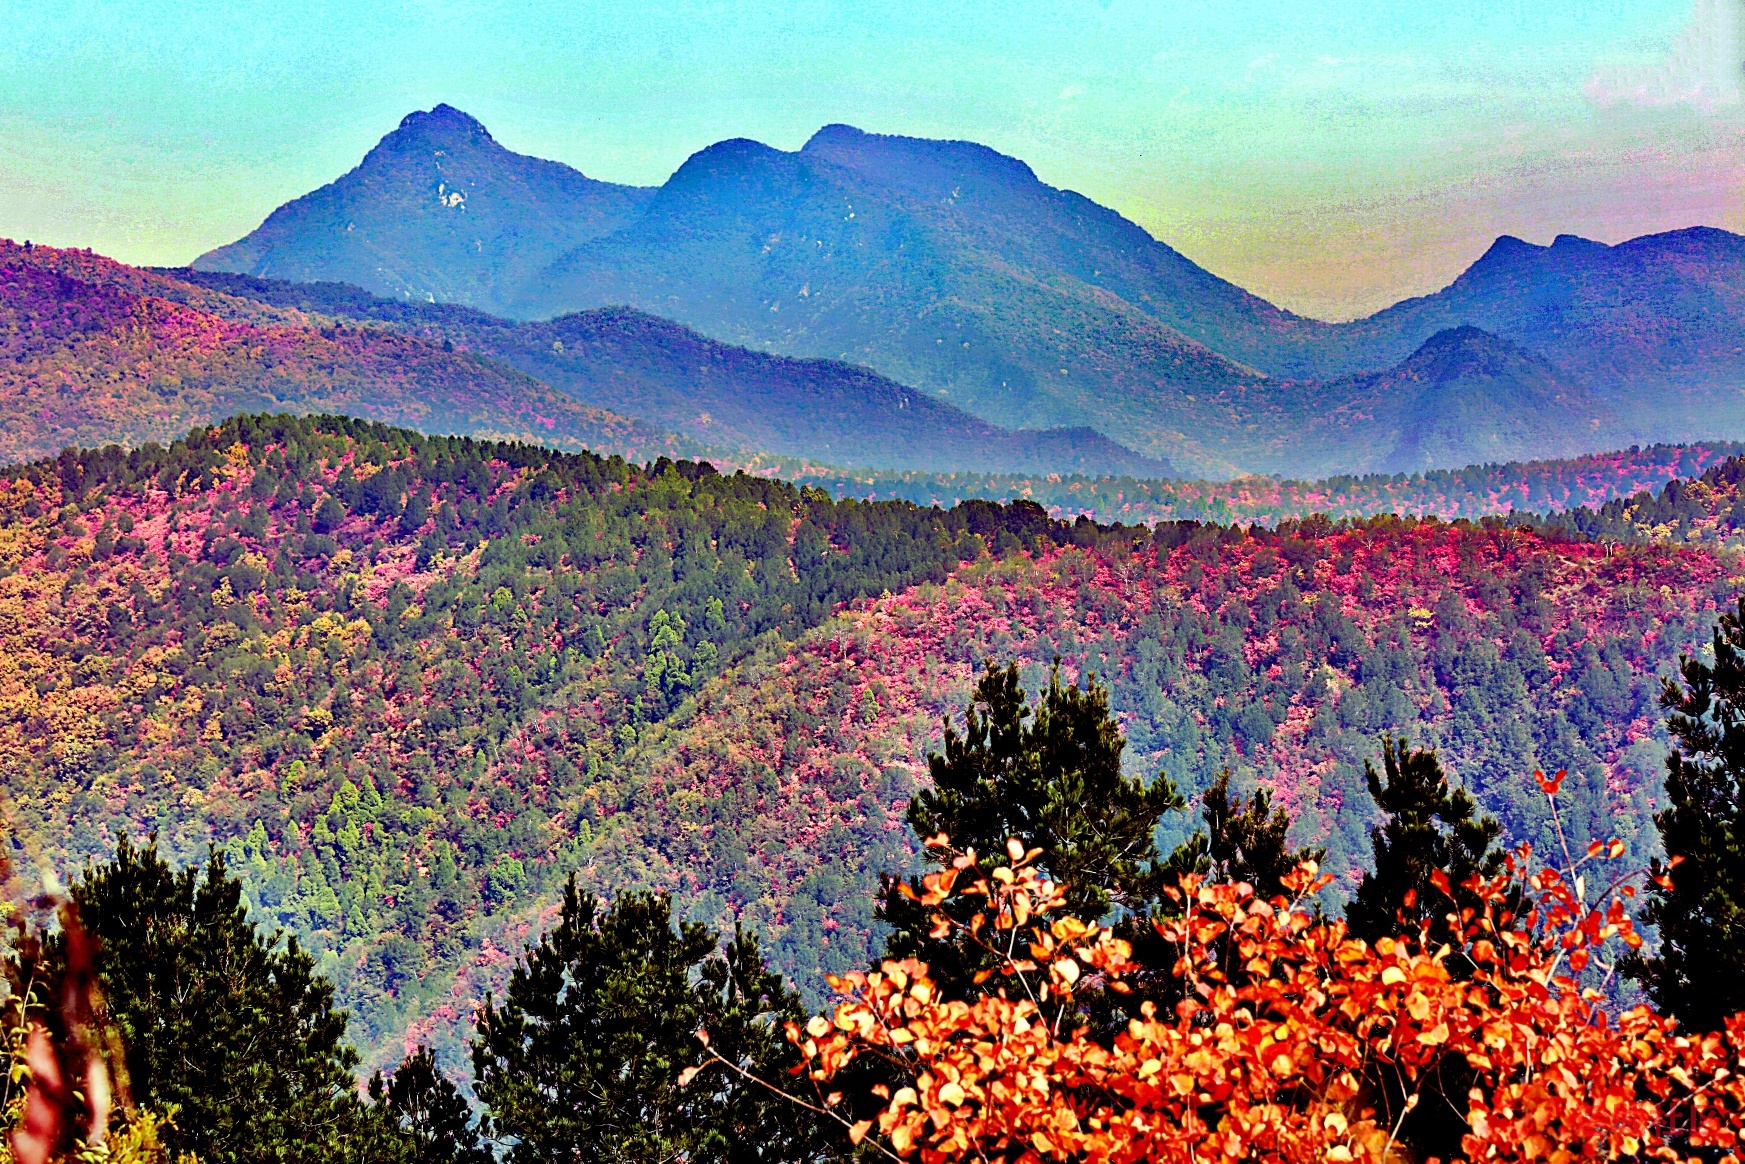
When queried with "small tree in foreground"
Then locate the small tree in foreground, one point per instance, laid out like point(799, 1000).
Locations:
point(1246, 839)
point(1430, 846)
point(430, 1112)
point(1051, 776)
point(201, 1016)
point(1430, 843)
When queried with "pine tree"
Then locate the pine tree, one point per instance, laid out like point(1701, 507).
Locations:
point(1050, 776)
point(581, 1060)
point(219, 1022)
point(1426, 828)
point(1245, 839)
point(1698, 898)
point(431, 1113)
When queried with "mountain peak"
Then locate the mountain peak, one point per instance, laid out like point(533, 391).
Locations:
point(1465, 350)
point(736, 147)
point(1509, 252)
point(1574, 242)
point(1464, 336)
point(733, 161)
point(1450, 337)
point(1511, 259)
point(836, 131)
point(437, 210)
point(836, 135)
point(919, 162)
point(1508, 246)
point(442, 121)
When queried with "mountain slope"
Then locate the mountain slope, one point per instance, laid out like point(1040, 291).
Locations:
point(975, 248)
point(721, 395)
point(797, 254)
point(995, 207)
point(1465, 397)
point(84, 360)
point(409, 684)
point(437, 210)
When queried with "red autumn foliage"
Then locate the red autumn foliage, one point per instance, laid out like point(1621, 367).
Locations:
point(1286, 1027)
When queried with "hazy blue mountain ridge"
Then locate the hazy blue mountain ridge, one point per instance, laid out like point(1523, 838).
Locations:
point(720, 395)
point(798, 254)
point(1465, 397)
point(1655, 325)
point(952, 268)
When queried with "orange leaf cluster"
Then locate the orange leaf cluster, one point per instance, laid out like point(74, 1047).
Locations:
point(1287, 1027)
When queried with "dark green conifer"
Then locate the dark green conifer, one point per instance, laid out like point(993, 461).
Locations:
point(222, 1024)
point(581, 1059)
point(430, 1112)
point(1698, 904)
point(1426, 827)
point(1050, 776)
point(1245, 839)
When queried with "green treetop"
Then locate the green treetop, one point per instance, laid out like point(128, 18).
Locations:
point(1698, 899)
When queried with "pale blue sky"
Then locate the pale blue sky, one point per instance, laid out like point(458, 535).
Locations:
point(1332, 156)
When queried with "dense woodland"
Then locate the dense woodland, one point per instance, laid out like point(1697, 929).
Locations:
point(323, 644)
point(1072, 993)
point(1705, 508)
point(409, 684)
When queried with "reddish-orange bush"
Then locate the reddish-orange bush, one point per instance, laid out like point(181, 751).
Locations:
point(1295, 1042)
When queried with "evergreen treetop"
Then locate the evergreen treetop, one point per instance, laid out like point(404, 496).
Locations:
point(1050, 776)
point(581, 1059)
point(1427, 828)
point(1697, 899)
point(232, 1032)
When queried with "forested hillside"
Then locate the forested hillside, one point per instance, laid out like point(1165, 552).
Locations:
point(93, 352)
point(1285, 657)
point(398, 676)
point(1708, 509)
point(408, 683)
point(106, 352)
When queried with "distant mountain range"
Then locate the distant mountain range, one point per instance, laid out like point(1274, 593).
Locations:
point(101, 352)
point(1655, 327)
point(719, 395)
point(954, 269)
